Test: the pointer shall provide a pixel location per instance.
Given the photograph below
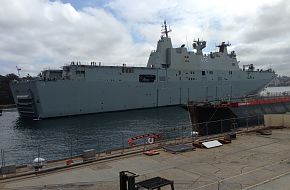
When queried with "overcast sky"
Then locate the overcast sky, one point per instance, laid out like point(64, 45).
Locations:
point(38, 34)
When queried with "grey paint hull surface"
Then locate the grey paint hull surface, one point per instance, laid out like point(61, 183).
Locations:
point(64, 97)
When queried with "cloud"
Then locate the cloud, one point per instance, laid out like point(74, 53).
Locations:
point(39, 33)
point(270, 24)
point(264, 40)
point(35, 34)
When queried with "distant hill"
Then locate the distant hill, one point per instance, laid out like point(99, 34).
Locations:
point(5, 92)
point(281, 81)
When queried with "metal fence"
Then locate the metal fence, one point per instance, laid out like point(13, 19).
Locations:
point(104, 146)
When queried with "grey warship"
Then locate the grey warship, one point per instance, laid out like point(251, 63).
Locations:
point(173, 76)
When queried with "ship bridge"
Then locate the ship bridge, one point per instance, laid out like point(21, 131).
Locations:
point(165, 56)
point(158, 58)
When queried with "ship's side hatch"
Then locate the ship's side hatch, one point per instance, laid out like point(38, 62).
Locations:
point(26, 106)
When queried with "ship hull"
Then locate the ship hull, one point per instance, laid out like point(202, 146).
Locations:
point(46, 99)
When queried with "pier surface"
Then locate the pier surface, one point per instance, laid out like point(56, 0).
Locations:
point(251, 162)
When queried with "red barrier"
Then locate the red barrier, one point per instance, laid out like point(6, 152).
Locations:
point(151, 135)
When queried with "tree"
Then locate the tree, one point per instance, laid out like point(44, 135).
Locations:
point(5, 91)
point(11, 77)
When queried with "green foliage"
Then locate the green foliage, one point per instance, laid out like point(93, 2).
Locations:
point(5, 91)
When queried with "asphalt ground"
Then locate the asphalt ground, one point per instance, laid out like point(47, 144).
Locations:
point(252, 161)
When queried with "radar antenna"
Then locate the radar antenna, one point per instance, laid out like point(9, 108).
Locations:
point(223, 47)
point(199, 45)
point(165, 30)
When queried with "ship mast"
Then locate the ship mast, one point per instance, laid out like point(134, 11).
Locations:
point(165, 30)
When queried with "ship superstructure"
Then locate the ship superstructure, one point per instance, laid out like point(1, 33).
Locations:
point(173, 76)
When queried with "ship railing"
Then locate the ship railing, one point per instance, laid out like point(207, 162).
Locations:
point(94, 63)
point(245, 99)
point(51, 68)
point(275, 94)
point(274, 97)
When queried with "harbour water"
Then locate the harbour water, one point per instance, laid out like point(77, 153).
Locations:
point(57, 138)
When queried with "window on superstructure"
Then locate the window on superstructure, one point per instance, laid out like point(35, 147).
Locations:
point(211, 72)
point(147, 78)
point(203, 72)
point(233, 64)
point(165, 65)
point(129, 70)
